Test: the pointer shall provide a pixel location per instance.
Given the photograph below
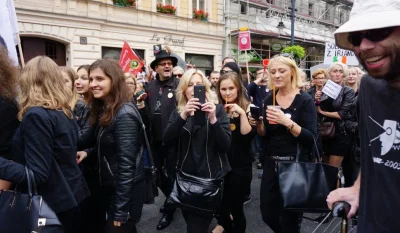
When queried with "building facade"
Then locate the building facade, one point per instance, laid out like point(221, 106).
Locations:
point(76, 32)
point(269, 22)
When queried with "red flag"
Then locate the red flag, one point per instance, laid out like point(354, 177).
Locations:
point(129, 61)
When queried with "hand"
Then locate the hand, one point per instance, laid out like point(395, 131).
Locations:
point(209, 108)
point(350, 195)
point(319, 110)
point(234, 108)
point(142, 97)
point(318, 95)
point(252, 121)
point(80, 156)
point(191, 106)
point(117, 223)
point(276, 115)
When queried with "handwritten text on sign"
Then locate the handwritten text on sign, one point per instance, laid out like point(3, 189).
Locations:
point(336, 54)
point(332, 89)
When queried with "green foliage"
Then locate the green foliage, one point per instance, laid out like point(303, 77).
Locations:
point(296, 50)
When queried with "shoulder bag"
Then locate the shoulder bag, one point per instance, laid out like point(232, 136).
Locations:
point(20, 212)
point(304, 186)
point(196, 194)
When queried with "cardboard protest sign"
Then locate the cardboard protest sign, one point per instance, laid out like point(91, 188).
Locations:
point(336, 54)
point(331, 89)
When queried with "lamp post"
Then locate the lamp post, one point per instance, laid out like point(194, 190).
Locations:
point(292, 17)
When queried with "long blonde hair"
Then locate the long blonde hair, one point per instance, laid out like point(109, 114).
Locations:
point(296, 72)
point(42, 85)
point(72, 75)
point(184, 84)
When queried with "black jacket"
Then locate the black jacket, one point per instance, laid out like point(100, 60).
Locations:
point(8, 124)
point(168, 99)
point(46, 143)
point(197, 143)
point(120, 148)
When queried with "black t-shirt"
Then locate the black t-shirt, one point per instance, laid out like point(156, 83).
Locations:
point(379, 115)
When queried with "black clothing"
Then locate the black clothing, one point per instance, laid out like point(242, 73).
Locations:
point(8, 125)
point(258, 93)
point(281, 143)
point(196, 223)
point(197, 143)
point(79, 107)
point(378, 112)
point(120, 148)
point(46, 143)
point(163, 93)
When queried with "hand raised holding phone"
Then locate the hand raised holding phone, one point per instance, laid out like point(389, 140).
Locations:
point(191, 106)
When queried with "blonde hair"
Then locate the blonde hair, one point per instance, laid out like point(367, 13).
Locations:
point(318, 72)
point(42, 85)
point(344, 67)
point(72, 76)
point(296, 72)
point(346, 82)
point(184, 84)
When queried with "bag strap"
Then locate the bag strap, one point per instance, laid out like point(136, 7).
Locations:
point(145, 138)
point(316, 149)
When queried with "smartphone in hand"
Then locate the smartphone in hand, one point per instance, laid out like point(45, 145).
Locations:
point(255, 112)
point(200, 93)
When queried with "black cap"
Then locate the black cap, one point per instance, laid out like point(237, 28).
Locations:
point(233, 66)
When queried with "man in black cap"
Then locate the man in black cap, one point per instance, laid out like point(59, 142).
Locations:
point(162, 101)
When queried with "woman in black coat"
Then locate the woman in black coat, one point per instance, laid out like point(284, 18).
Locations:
point(46, 142)
point(118, 136)
point(202, 148)
point(8, 107)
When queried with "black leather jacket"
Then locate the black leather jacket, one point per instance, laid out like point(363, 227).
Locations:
point(120, 147)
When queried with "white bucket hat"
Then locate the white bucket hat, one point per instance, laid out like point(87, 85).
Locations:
point(366, 15)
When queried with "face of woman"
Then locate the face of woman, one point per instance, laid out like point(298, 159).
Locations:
point(100, 84)
point(67, 80)
point(281, 74)
point(82, 83)
point(353, 76)
point(195, 80)
point(131, 85)
point(228, 90)
point(320, 80)
point(337, 74)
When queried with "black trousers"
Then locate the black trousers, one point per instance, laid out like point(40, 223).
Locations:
point(235, 186)
point(69, 220)
point(196, 223)
point(273, 214)
point(128, 227)
point(165, 182)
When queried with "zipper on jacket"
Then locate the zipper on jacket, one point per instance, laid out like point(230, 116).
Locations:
point(187, 151)
point(99, 154)
point(208, 162)
point(108, 166)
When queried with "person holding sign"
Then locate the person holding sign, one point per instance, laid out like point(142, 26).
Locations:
point(333, 105)
point(290, 120)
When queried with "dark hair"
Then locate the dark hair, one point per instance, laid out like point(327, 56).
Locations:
point(86, 67)
point(118, 95)
point(8, 75)
point(237, 81)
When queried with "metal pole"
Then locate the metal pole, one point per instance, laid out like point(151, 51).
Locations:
point(292, 16)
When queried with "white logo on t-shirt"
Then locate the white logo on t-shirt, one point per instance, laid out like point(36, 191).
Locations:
point(390, 137)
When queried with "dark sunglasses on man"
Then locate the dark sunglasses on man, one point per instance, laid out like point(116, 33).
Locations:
point(374, 35)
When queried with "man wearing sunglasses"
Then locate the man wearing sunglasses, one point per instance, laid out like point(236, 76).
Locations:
point(162, 102)
point(373, 33)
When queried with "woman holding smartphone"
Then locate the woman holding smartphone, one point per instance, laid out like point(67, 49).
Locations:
point(230, 92)
point(119, 139)
point(202, 148)
point(287, 124)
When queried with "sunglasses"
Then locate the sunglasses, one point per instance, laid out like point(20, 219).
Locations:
point(165, 63)
point(225, 71)
point(179, 75)
point(374, 35)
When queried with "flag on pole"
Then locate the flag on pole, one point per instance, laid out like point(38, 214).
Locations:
point(129, 60)
point(9, 28)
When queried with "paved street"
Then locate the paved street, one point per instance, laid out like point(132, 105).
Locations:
point(151, 216)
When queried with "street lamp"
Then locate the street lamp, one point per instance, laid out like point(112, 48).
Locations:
point(292, 17)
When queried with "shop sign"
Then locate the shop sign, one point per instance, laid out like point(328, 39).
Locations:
point(169, 39)
point(276, 47)
point(243, 58)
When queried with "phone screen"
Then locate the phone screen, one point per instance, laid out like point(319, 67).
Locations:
point(200, 93)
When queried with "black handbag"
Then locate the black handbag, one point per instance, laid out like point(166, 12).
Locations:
point(150, 173)
point(26, 213)
point(304, 186)
point(196, 194)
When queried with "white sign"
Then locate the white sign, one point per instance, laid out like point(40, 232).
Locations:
point(336, 54)
point(332, 89)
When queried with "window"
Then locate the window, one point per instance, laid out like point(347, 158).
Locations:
point(199, 4)
point(114, 53)
point(51, 50)
point(310, 9)
point(327, 15)
point(205, 63)
point(165, 2)
point(243, 8)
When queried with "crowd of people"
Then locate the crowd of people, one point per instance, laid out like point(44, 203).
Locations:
point(83, 135)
